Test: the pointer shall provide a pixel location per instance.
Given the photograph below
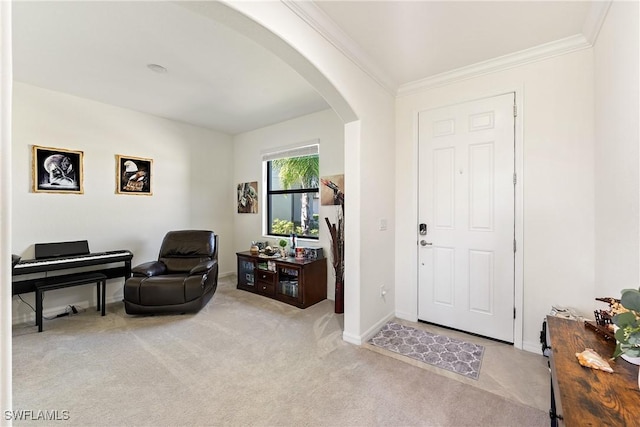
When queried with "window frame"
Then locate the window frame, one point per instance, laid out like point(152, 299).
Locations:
point(267, 158)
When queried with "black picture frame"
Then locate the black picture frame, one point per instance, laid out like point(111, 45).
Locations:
point(57, 170)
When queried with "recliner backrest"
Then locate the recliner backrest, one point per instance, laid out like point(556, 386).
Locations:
point(182, 250)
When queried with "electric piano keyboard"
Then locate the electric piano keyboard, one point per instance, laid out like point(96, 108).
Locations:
point(98, 260)
point(61, 263)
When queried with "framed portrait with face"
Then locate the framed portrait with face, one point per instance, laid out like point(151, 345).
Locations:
point(57, 170)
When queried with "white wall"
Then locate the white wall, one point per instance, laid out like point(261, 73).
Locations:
point(557, 114)
point(191, 184)
point(210, 188)
point(6, 89)
point(328, 130)
point(617, 187)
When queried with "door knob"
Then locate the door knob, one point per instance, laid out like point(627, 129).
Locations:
point(425, 243)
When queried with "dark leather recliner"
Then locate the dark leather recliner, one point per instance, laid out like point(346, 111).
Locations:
point(183, 280)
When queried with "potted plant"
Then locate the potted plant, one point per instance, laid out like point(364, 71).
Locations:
point(627, 319)
point(627, 333)
point(283, 245)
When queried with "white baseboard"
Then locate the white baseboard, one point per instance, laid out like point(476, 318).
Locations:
point(351, 339)
point(409, 317)
point(359, 339)
point(30, 315)
point(532, 347)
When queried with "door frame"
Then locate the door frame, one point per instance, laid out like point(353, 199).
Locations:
point(518, 293)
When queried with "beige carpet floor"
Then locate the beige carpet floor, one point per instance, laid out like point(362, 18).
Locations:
point(243, 360)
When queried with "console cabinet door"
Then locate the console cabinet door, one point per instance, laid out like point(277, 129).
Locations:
point(289, 286)
point(246, 273)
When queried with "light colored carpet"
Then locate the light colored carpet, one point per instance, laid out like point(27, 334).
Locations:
point(243, 360)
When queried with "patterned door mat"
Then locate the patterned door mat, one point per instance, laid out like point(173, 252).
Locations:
point(447, 353)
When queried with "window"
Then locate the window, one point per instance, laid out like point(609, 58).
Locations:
point(293, 197)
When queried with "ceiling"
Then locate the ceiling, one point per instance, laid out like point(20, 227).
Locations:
point(219, 79)
point(411, 40)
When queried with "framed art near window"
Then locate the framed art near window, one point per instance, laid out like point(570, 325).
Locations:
point(332, 190)
point(57, 170)
point(248, 197)
point(133, 175)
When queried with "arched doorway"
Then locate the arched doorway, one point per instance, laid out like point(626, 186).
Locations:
point(353, 96)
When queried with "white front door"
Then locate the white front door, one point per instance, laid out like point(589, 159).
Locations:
point(466, 200)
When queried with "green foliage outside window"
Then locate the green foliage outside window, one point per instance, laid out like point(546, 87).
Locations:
point(298, 177)
point(282, 226)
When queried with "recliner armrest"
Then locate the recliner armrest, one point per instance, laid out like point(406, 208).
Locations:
point(203, 267)
point(149, 269)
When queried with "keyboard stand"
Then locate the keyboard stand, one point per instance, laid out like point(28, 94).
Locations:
point(66, 281)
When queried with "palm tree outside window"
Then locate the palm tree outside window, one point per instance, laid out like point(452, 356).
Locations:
point(293, 197)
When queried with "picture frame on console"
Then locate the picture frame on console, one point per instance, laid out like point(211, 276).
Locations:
point(57, 170)
point(133, 175)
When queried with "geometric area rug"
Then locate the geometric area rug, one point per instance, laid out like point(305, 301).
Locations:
point(454, 355)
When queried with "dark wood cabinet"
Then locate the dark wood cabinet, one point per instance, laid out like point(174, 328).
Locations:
point(583, 396)
point(297, 282)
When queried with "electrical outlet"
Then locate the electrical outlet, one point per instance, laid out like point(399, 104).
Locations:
point(383, 291)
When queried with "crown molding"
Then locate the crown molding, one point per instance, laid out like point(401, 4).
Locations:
point(595, 19)
point(310, 13)
point(537, 53)
point(315, 17)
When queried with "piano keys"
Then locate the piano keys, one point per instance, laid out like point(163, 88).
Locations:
point(70, 255)
point(65, 262)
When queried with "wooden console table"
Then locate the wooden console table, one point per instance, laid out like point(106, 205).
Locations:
point(583, 396)
point(297, 282)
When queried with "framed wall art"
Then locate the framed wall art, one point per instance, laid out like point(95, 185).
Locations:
point(332, 190)
point(248, 197)
point(57, 170)
point(133, 175)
